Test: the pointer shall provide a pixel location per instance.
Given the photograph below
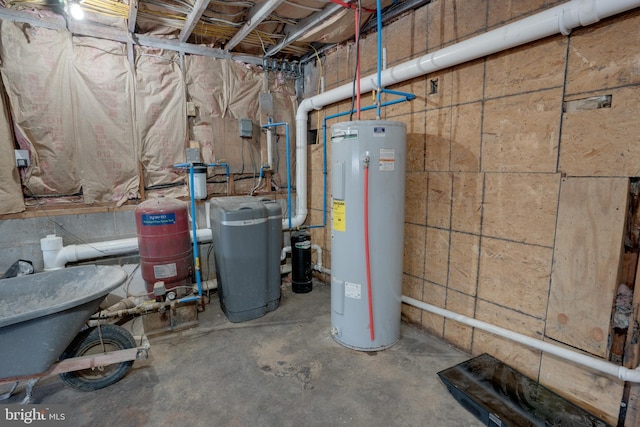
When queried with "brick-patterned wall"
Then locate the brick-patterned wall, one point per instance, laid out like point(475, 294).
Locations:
point(486, 157)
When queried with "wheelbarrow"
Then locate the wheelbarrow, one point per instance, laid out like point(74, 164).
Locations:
point(43, 330)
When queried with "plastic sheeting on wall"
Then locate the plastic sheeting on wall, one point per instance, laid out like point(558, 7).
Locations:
point(36, 78)
point(225, 91)
point(244, 85)
point(206, 88)
point(161, 118)
point(10, 191)
point(72, 106)
point(102, 93)
point(88, 120)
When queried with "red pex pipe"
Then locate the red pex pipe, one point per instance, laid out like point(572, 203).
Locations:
point(357, 64)
point(351, 6)
point(366, 248)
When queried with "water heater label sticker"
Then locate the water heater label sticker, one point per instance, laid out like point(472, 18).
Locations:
point(352, 290)
point(378, 131)
point(164, 271)
point(387, 159)
point(158, 219)
point(339, 135)
point(339, 215)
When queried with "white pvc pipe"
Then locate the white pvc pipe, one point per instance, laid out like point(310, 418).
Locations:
point(625, 374)
point(56, 256)
point(283, 254)
point(559, 19)
point(318, 265)
point(269, 149)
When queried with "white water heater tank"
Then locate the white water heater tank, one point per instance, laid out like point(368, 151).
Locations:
point(355, 323)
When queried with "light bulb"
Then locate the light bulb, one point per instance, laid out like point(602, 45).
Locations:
point(76, 11)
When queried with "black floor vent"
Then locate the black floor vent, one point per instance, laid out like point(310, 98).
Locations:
point(500, 396)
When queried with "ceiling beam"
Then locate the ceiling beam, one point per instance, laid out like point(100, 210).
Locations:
point(294, 32)
point(388, 14)
point(255, 16)
point(394, 11)
point(192, 19)
point(49, 22)
point(133, 15)
point(123, 36)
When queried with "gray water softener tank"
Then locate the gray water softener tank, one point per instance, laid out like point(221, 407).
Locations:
point(241, 244)
point(274, 238)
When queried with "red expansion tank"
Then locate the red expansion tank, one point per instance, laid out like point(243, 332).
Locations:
point(164, 242)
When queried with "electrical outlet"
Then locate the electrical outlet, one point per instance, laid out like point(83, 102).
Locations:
point(191, 109)
point(22, 158)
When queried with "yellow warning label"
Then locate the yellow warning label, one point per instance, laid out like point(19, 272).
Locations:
point(339, 215)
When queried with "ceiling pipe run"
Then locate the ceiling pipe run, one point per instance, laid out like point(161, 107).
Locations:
point(557, 20)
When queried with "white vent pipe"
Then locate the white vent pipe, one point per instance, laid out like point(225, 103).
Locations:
point(625, 374)
point(317, 266)
point(559, 19)
point(56, 256)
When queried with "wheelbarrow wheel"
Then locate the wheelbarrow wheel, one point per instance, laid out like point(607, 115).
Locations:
point(88, 342)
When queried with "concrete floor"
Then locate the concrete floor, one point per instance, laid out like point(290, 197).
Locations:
point(280, 370)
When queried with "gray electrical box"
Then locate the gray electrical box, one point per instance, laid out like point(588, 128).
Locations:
point(266, 104)
point(193, 155)
point(245, 127)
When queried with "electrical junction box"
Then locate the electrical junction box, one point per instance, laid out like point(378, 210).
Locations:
point(245, 128)
point(22, 158)
point(193, 155)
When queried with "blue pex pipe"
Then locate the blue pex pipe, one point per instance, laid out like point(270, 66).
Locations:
point(407, 97)
point(196, 255)
point(379, 30)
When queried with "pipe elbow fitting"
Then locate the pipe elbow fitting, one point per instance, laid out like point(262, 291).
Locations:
point(284, 252)
point(52, 249)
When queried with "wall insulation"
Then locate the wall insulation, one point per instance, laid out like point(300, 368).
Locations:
point(160, 117)
point(36, 65)
point(10, 190)
point(101, 94)
point(94, 124)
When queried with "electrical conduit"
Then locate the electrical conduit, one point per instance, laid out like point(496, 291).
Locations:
point(290, 225)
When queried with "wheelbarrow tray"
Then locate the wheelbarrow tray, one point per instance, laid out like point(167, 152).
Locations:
point(40, 314)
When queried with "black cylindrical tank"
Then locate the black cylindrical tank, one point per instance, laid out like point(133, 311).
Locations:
point(301, 262)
